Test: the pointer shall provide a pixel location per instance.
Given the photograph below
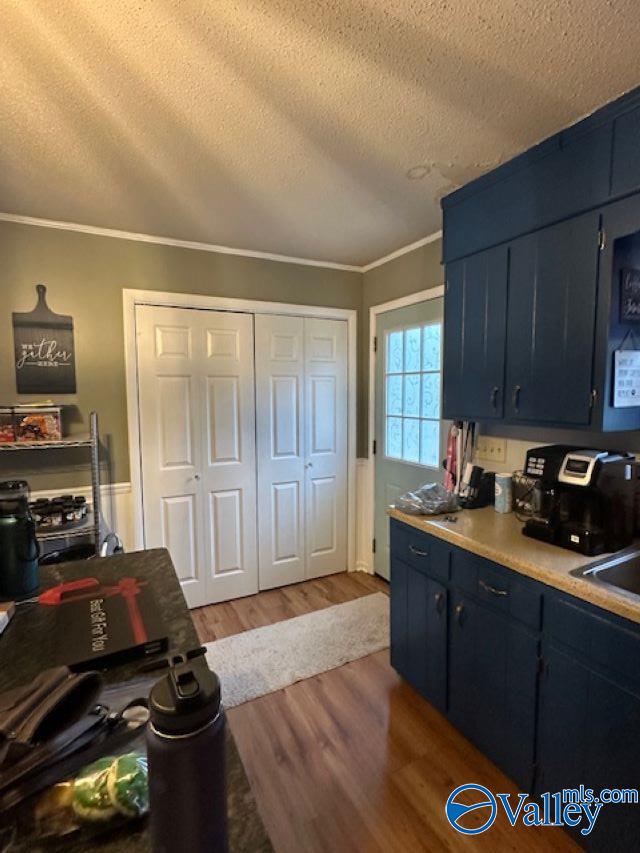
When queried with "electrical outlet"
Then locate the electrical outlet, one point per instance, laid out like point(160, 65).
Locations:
point(491, 449)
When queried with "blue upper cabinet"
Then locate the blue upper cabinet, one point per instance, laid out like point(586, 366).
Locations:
point(535, 254)
point(553, 276)
point(565, 175)
point(474, 335)
point(625, 169)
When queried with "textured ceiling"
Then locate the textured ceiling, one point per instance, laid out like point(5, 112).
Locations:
point(325, 129)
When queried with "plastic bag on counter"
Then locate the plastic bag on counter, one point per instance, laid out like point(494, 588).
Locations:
point(430, 499)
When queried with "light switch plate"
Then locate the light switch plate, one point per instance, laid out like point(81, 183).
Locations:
point(491, 449)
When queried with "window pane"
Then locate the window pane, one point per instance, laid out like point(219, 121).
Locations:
point(411, 394)
point(394, 395)
point(430, 443)
point(411, 440)
point(412, 350)
point(431, 395)
point(394, 438)
point(431, 347)
point(394, 352)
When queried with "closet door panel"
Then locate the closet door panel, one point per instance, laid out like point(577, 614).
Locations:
point(279, 413)
point(197, 436)
point(326, 446)
point(228, 437)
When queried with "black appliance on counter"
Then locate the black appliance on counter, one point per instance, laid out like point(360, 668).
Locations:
point(19, 549)
point(583, 500)
point(477, 488)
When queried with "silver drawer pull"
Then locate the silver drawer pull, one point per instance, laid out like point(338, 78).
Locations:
point(418, 552)
point(492, 589)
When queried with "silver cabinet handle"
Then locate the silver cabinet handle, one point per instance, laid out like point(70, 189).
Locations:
point(492, 589)
point(516, 397)
point(458, 612)
point(494, 396)
point(418, 552)
point(439, 599)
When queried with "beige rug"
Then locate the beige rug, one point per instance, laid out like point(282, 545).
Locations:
point(267, 659)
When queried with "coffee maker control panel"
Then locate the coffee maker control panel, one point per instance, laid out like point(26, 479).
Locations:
point(577, 468)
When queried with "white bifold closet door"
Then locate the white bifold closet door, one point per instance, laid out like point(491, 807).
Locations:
point(301, 428)
point(197, 434)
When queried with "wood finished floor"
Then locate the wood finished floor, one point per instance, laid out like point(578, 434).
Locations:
point(354, 759)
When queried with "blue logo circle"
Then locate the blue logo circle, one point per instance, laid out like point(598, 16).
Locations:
point(455, 810)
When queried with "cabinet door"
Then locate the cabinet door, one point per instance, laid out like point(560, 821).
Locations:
point(399, 579)
point(426, 637)
point(474, 335)
point(436, 676)
point(551, 323)
point(589, 735)
point(492, 685)
point(625, 167)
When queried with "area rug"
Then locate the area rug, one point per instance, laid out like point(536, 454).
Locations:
point(267, 659)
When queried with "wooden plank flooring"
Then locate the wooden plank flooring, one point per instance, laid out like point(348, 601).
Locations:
point(354, 759)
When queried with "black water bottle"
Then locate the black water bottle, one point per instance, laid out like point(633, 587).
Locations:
point(186, 750)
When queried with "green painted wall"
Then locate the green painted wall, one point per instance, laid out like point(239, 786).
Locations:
point(85, 276)
point(417, 270)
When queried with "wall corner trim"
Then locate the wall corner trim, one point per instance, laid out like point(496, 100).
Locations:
point(424, 241)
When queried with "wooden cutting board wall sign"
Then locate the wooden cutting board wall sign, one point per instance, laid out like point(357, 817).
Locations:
point(44, 350)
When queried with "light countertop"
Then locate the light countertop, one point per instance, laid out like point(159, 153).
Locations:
point(499, 538)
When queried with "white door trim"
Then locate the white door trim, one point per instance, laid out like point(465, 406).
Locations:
point(374, 310)
point(131, 298)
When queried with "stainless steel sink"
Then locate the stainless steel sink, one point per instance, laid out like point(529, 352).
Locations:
point(622, 571)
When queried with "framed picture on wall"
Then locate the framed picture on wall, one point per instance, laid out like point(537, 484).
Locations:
point(629, 295)
point(45, 361)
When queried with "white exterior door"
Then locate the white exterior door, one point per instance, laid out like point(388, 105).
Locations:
point(197, 438)
point(301, 395)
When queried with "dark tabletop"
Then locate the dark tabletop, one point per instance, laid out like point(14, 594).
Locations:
point(26, 648)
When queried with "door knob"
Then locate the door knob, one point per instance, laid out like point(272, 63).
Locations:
point(459, 611)
point(309, 465)
point(494, 396)
point(196, 476)
point(439, 599)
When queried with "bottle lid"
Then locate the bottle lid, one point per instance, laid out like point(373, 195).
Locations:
point(186, 698)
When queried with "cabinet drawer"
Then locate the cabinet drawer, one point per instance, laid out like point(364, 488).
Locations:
point(498, 586)
point(597, 639)
point(419, 550)
point(410, 545)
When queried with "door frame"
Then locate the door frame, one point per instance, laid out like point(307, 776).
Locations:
point(133, 298)
point(412, 298)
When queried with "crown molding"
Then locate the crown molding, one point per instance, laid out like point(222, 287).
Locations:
point(431, 238)
point(211, 247)
point(169, 241)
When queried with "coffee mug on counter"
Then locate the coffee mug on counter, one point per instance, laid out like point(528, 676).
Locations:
point(504, 493)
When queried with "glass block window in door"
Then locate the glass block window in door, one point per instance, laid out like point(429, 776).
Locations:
point(412, 392)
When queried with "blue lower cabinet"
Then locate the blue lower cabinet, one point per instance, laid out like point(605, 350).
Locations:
point(589, 734)
point(419, 631)
point(399, 573)
point(493, 666)
point(547, 686)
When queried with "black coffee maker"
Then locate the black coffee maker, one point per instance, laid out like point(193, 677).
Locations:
point(19, 549)
point(588, 505)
